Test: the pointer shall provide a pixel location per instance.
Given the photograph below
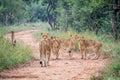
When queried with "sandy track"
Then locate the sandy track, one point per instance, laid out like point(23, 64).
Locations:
point(62, 69)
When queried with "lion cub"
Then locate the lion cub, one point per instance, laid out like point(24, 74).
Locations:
point(44, 35)
point(45, 49)
point(85, 45)
point(55, 46)
point(69, 44)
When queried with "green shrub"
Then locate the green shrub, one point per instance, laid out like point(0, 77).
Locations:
point(113, 71)
point(12, 56)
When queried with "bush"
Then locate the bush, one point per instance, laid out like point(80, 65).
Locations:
point(12, 56)
point(113, 71)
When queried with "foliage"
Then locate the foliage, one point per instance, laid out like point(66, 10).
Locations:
point(9, 11)
point(81, 15)
point(113, 71)
point(12, 56)
point(94, 15)
point(21, 11)
point(34, 11)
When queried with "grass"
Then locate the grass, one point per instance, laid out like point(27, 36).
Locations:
point(13, 56)
point(110, 48)
point(21, 27)
point(113, 70)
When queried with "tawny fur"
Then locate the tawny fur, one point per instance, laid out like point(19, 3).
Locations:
point(45, 50)
point(56, 46)
point(69, 44)
point(85, 45)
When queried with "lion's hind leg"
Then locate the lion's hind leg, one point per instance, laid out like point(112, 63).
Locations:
point(84, 53)
point(47, 59)
point(97, 54)
point(57, 54)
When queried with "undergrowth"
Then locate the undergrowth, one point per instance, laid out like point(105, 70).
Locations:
point(13, 56)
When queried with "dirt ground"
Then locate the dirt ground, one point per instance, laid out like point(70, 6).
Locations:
point(62, 69)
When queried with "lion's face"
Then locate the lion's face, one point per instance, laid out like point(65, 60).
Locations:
point(71, 43)
point(65, 44)
point(80, 39)
point(44, 35)
point(73, 37)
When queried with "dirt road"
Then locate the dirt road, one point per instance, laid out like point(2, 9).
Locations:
point(62, 69)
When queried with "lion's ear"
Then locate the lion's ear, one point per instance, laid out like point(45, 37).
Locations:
point(83, 40)
point(41, 33)
point(52, 37)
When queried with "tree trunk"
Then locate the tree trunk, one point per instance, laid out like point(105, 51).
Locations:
point(114, 20)
point(48, 16)
point(6, 20)
point(66, 21)
point(54, 20)
point(114, 25)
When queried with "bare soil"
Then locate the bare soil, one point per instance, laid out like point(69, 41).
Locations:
point(61, 69)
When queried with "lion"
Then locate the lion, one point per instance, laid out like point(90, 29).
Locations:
point(65, 44)
point(55, 46)
point(85, 45)
point(72, 43)
point(45, 46)
point(44, 35)
point(69, 45)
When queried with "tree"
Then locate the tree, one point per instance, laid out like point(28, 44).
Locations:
point(34, 11)
point(116, 9)
point(51, 13)
point(9, 10)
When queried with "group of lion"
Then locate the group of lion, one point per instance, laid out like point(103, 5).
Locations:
point(52, 44)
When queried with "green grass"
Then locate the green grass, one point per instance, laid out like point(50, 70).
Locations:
point(113, 70)
point(110, 48)
point(21, 27)
point(13, 56)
